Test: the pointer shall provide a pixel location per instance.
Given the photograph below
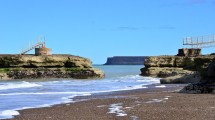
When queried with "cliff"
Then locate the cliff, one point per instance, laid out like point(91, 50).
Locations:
point(175, 66)
point(125, 60)
point(55, 66)
point(179, 69)
point(165, 66)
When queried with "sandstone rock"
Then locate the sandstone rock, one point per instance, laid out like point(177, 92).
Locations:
point(162, 72)
point(160, 61)
point(181, 79)
point(175, 69)
point(55, 66)
point(29, 61)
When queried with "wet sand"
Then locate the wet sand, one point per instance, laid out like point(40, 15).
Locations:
point(143, 104)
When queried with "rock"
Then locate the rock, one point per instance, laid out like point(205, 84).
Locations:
point(181, 79)
point(29, 73)
point(162, 72)
point(206, 84)
point(176, 69)
point(197, 88)
point(55, 66)
point(211, 71)
point(31, 61)
point(169, 61)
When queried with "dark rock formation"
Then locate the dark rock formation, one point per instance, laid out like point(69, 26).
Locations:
point(29, 73)
point(125, 60)
point(206, 84)
point(176, 69)
point(55, 66)
point(198, 71)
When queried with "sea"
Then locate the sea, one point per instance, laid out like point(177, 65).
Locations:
point(25, 94)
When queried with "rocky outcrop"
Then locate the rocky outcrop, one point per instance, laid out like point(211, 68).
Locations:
point(125, 60)
point(54, 61)
point(206, 84)
point(167, 66)
point(176, 69)
point(198, 71)
point(55, 66)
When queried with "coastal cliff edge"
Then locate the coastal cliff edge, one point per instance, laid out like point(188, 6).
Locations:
point(55, 66)
point(198, 71)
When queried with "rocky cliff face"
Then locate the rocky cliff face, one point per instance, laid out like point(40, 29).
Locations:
point(176, 69)
point(200, 71)
point(207, 82)
point(55, 66)
point(165, 66)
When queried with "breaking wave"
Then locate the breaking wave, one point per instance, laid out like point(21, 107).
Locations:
point(18, 85)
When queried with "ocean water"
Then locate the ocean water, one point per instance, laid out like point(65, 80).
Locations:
point(25, 94)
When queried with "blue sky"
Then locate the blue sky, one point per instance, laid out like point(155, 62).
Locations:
point(98, 29)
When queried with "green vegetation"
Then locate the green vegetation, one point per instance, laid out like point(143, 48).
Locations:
point(4, 70)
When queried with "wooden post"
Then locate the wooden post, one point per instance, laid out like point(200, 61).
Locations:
point(192, 42)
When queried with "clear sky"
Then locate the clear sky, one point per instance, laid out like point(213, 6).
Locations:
point(98, 29)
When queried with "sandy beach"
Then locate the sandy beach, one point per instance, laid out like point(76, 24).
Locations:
point(143, 104)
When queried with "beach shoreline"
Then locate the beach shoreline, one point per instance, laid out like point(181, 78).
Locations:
point(157, 103)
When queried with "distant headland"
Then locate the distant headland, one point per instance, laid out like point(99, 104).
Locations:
point(126, 60)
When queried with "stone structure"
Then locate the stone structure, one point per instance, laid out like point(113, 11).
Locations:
point(40, 49)
point(126, 60)
point(189, 52)
point(43, 51)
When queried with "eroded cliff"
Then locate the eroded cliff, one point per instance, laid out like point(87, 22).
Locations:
point(55, 66)
point(199, 71)
point(176, 68)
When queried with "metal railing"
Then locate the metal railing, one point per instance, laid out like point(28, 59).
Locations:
point(200, 42)
point(33, 47)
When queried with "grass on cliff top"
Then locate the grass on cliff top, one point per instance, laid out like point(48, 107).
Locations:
point(4, 70)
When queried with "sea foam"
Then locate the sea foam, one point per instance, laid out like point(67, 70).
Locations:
point(8, 113)
point(18, 85)
point(49, 93)
point(18, 95)
point(161, 86)
point(117, 109)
